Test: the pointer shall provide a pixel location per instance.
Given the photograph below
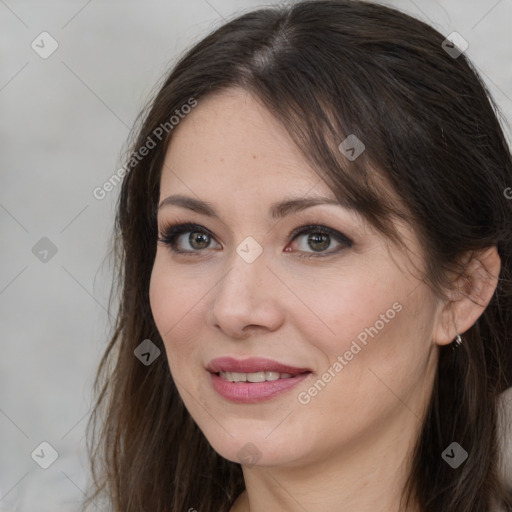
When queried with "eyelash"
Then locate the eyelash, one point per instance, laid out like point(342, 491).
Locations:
point(171, 232)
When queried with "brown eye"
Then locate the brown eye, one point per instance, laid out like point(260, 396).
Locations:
point(318, 243)
point(201, 239)
point(319, 240)
point(198, 238)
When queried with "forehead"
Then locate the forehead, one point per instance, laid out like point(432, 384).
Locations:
point(232, 139)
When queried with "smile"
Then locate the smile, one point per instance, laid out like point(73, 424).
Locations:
point(253, 380)
point(254, 377)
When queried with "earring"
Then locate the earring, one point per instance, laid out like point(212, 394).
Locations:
point(458, 340)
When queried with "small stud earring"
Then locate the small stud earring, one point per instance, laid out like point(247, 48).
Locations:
point(458, 340)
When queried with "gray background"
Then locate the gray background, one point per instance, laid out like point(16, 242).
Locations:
point(64, 122)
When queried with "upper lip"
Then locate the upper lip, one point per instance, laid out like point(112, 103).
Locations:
point(251, 365)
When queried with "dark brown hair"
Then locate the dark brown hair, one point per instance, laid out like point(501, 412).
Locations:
point(435, 156)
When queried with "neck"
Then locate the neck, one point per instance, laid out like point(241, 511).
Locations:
point(369, 475)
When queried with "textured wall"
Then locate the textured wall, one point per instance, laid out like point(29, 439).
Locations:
point(64, 120)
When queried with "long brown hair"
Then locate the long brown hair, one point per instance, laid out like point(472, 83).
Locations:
point(325, 69)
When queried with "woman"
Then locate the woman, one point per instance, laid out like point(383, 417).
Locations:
point(314, 241)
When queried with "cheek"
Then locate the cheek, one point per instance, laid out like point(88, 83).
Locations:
point(333, 311)
point(384, 358)
point(169, 296)
point(175, 300)
point(363, 324)
point(168, 301)
point(160, 296)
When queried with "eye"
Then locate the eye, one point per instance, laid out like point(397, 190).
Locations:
point(319, 240)
point(198, 238)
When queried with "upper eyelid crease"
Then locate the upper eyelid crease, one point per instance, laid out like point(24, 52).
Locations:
point(277, 210)
point(181, 228)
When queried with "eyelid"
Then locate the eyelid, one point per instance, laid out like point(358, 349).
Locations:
point(176, 229)
point(171, 231)
point(320, 228)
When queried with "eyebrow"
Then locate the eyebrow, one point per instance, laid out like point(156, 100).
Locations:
point(277, 210)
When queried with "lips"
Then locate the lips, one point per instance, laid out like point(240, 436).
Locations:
point(253, 380)
point(252, 365)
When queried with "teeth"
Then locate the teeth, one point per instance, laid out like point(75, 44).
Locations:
point(254, 377)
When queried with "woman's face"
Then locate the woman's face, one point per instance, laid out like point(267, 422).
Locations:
point(333, 305)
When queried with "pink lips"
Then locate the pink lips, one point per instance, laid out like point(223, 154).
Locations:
point(252, 392)
point(251, 365)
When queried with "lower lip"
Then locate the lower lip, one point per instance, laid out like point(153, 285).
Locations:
point(252, 392)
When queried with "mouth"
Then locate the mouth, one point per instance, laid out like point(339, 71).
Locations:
point(253, 365)
point(254, 376)
point(253, 380)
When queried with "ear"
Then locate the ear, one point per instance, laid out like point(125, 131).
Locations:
point(472, 292)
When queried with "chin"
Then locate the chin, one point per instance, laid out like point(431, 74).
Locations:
point(253, 449)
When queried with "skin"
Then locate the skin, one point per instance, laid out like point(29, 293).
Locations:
point(349, 447)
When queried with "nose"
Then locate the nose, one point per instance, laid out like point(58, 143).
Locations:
point(247, 299)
